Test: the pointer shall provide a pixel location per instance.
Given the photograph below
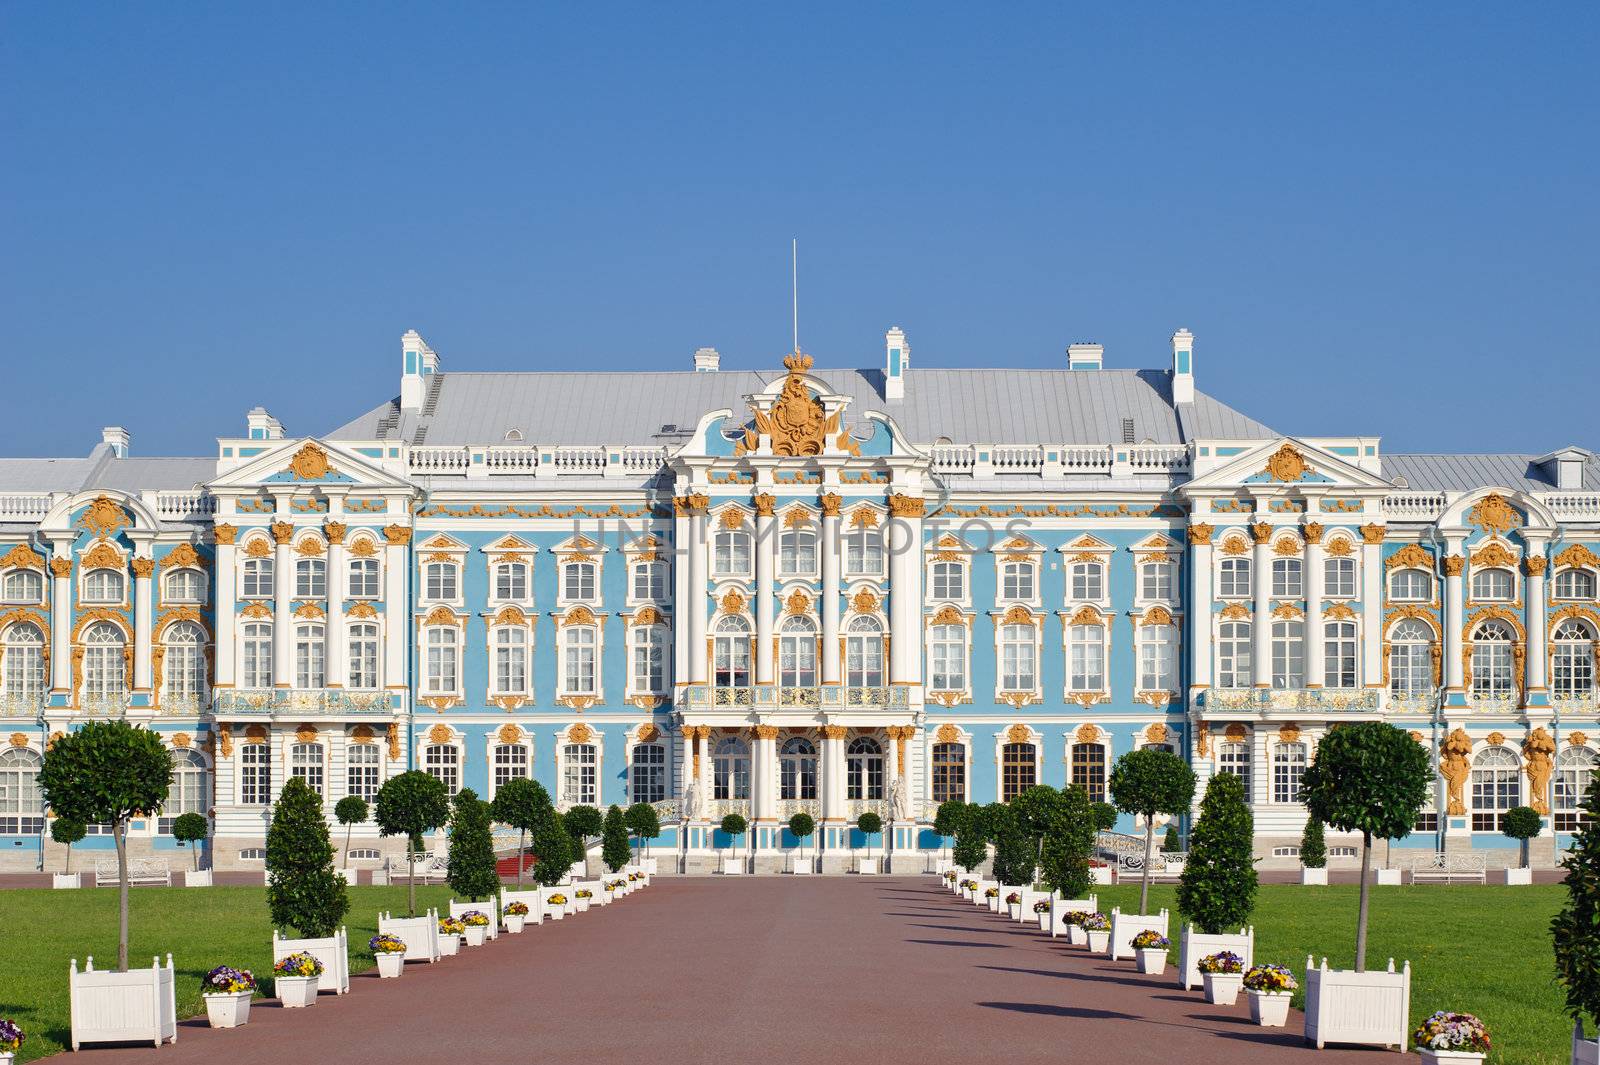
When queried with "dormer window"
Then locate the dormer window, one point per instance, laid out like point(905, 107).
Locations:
point(1493, 586)
point(103, 586)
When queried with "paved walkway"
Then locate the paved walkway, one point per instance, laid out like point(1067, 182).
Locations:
point(770, 970)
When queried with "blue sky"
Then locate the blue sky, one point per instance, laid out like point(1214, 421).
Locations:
point(1375, 218)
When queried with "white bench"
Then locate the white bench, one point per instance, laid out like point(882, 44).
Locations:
point(1449, 869)
point(145, 871)
point(427, 867)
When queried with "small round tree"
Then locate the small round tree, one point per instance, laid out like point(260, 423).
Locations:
point(1013, 850)
point(1035, 809)
point(1068, 842)
point(66, 830)
point(972, 839)
point(1313, 845)
point(190, 830)
point(614, 849)
point(350, 812)
point(470, 869)
point(645, 824)
point(1522, 823)
point(411, 804)
point(1147, 783)
point(801, 826)
point(522, 803)
point(1105, 816)
point(734, 825)
point(583, 823)
point(870, 825)
point(108, 772)
point(1170, 843)
point(1217, 889)
point(947, 819)
point(1576, 929)
point(1370, 778)
point(553, 848)
point(303, 891)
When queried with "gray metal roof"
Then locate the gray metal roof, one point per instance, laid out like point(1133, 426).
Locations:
point(102, 469)
point(1465, 473)
point(963, 406)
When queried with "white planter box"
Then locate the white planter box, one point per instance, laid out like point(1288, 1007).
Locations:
point(730, 867)
point(66, 880)
point(197, 878)
point(1152, 961)
point(486, 908)
point(1584, 1051)
point(135, 1006)
point(296, 991)
point(529, 897)
point(1521, 877)
point(449, 947)
point(1447, 1057)
point(1097, 941)
point(1388, 877)
point(1222, 989)
point(332, 951)
point(1343, 1006)
point(1314, 877)
point(802, 866)
point(993, 902)
point(652, 866)
point(476, 934)
point(229, 1009)
point(1124, 926)
point(1192, 946)
point(1078, 936)
point(419, 934)
point(391, 966)
point(1270, 1009)
point(1061, 907)
point(867, 866)
point(513, 922)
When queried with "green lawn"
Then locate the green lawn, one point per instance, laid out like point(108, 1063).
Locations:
point(1482, 950)
point(201, 927)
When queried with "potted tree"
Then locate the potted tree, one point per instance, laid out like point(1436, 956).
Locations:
point(583, 823)
point(1576, 930)
point(67, 830)
point(411, 804)
point(470, 870)
point(1371, 778)
point(1069, 827)
point(870, 825)
point(190, 830)
point(304, 891)
point(1217, 889)
point(1521, 823)
point(645, 824)
point(552, 849)
point(801, 826)
point(972, 841)
point(733, 826)
point(946, 819)
point(520, 803)
point(1169, 842)
point(1313, 853)
point(1149, 783)
point(614, 848)
point(350, 811)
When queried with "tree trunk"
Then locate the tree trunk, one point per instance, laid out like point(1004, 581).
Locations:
point(522, 855)
point(194, 857)
point(347, 830)
point(69, 859)
point(1149, 846)
point(411, 880)
point(1361, 913)
point(119, 836)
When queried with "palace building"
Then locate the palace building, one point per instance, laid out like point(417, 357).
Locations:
point(808, 589)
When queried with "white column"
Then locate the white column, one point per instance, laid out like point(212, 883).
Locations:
point(143, 570)
point(830, 589)
point(1201, 565)
point(695, 604)
point(833, 806)
point(222, 594)
point(685, 763)
point(1316, 663)
point(680, 597)
point(61, 615)
point(1261, 627)
point(766, 544)
point(396, 608)
point(283, 606)
point(705, 767)
point(338, 581)
point(1454, 617)
point(1538, 659)
point(765, 770)
point(1372, 605)
point(905, 588)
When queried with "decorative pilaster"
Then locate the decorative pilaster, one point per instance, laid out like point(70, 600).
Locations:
point(766, 545)
point(1261, 585)
point(830, 589)
point(1372, 604)
point(1201, 576)
point(143, 569)
point(695, 604)
point(61, 616)
point(905, 588)
point(680, 596)
point(397, 618)
point(765, 770)
point(1316, 656)
point(224, 592)
point(1537, 691)
point(282, 606)
point(1454, 613)
point(338, 585)
point(833, 805)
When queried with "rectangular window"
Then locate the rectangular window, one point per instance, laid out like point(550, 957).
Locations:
point(1156, 580)
point(579, 661)
point(578, 774)
point(1089, 769)
point(1016, 581)
point(1017, 659)
point(1339, 578)
point(255, 774)
point(949, 581)
point(647, 778)
point(511, 581)
point(1287, 578)
point(1088, 581)
point(361, 770)
point(650, 582)
point(1234, 579)
point(364, 578)
point(949, 772)
point(510, 763)
point(441, 761)
point(440, 581)
point(949, 658)
point(578, 581)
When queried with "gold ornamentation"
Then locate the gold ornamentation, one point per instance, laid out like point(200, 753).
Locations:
point(1339, 547)
point(1202, 740)
point(1156, 615)
point(1493, 514)
point(1200, 534)
point(863, 517)
point(223, 533)
point(1339, 612)
point(397, 535)
point(440, 734)
point(61, 567)
point(766, 732)
point(510, 615)
point(310, 463)
point(1236, 612)
point(797, 603)
point(256, 609)
point(947, 615)
point(579, 733)
point(796, 517)
point(257, 547)
point(948, 734)
point(648, 732)
point(1495, 739)
point(183, 556)
point(255, 734)
point(579, 615)
point(732, 518)
point(1086, 733)
point(764, 502)
point(361, 609)
point(309, 547)
point(1019, 733)
point(1493, 554)
point(18, 740)
point(509, 734)
point(1534, 565)
point(1286, 546)
point(1454, 565)
point(1087, 615)
point(1287, 464)
point(1287, 610)
point(733, 602)
point(830, 504)
point(282, 532)
point(102, 556)
point(1578, 556)
point(1261, 532)
point(22, 557)
point(143, 568)
point(334, 531)
point(835, 732)
point(1537, 750)
point(797, 423)
point(1235, 545)
point(1018, 615)
point(1372, 534)
point(1156, 733)
point(441, 615)
point(1289, 734)
point(1576, 739)
point(1235, 733)
point(393, 736)
point(363, 547)
point(864, 602)
point(103, 517)
point(648, 615)
point(906, 506)
point(361, 733)
point(1312, 530)
point(306, 734)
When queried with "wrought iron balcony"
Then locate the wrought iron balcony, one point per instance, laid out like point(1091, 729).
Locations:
point(21, 705)
point(772, 698)
point(1262, 700)
point(268, 701)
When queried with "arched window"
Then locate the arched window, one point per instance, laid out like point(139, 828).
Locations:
point(1233, 655)
point(863, 551)
point(1089, 769)
point(255, 774)
point(310, 656)
point(647, 775)
point(310, 578)
point(650, 659)
point(24, 663)
point(1339, 654)
point(863, 769)
point(1017, 581)
point(306, 762)
point(1157, 579)
point(730, 770)
point(1572, 664)
point(184, 586)
point(440, 580)
point(103, 586)
point(1235, 758)
point(948, 651)
point(797, 653)
point(1157, 658)
point(258, 574)
point(1493, 666)
point(730, 556)
point(104, 664)
point(797, 552)
point(363, 578)
point(1410, 586)
point(1575, 772)
point(650, 582)
point(510, 763)
point(1233, 581)
point(1018, 672)
point(1496, 787)
point(442, 643)
point(362, 661)
point(187, 793)
point(949, 772)
point(1087, 646)
point(1019, 769)
point(184, 668)
point(578, 582)
point(730, 652)
point(362, 768)
point(442, 761)
point(949, 581)
point(1411, 658)
point(1494, 585)
point(579, 651)
point(256, 660)
point(864, 653)
point(510, 660)
point(1088, 581)
point(1339, 577)
point(580, 774)
point(511, 581)
point(21, 798)
point(1288, 578)
point(1288, 771)
point(797, 769)
point(1574, 584)
point(1288, 654)
point(24, 586)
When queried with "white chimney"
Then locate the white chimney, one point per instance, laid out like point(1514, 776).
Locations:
point(263, 426)
point(706, 360)
point(417, 362)
point(897, 360)
point(1085, 356)
point(1183, 366)
point(117, 439)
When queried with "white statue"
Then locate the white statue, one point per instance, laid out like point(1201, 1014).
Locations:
point(691, 802)
point(900, 799)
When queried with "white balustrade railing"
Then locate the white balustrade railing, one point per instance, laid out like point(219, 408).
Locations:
point(953, 458)
point(438, 460)
point(23, 506)
point(579, 459)
point(1158, 458)
point(1009, 458)
point(503, 458)
point(1087, 459)
point(185, 506)
point(1415, 506)
point(643, 459)
point(1573, 506)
